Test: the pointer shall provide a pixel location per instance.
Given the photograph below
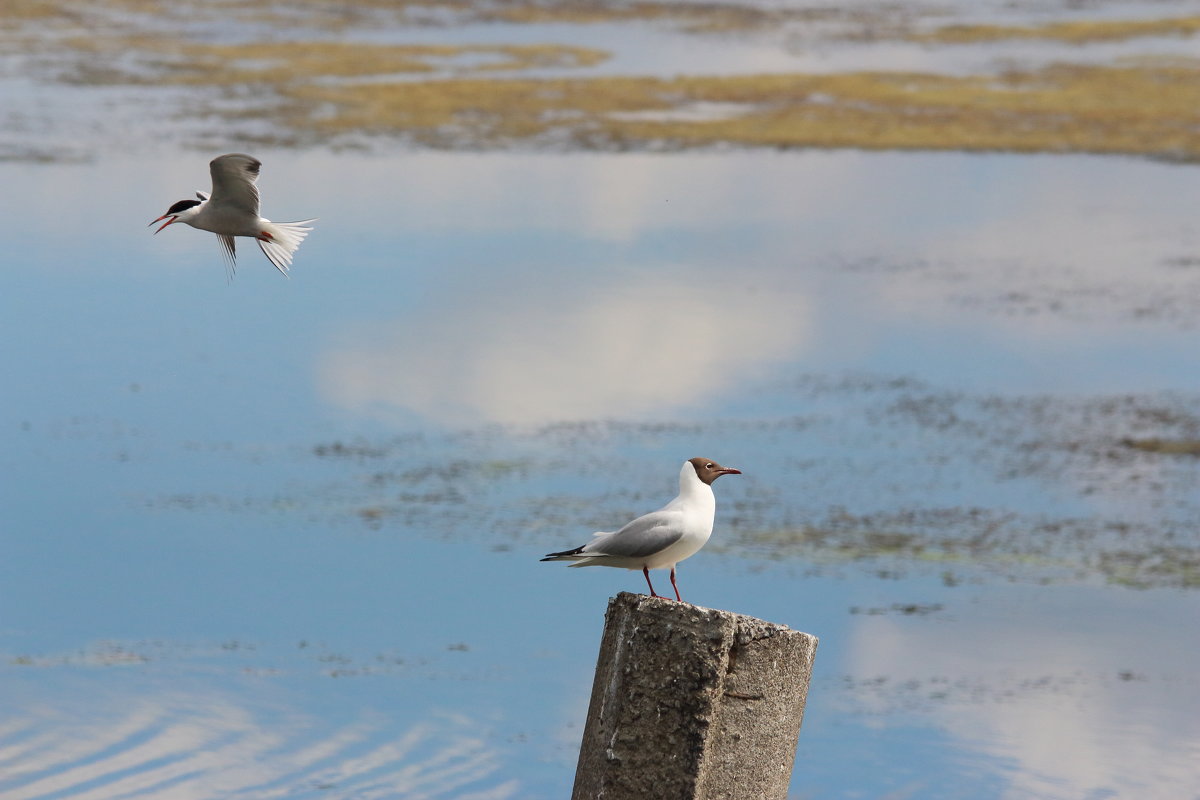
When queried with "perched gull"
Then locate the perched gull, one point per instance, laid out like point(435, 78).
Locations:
point(232, 210)
point(661, 538)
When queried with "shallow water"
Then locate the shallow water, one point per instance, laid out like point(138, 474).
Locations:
point(279, 537)
point(74, 89)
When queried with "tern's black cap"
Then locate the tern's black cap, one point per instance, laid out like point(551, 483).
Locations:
point(182, 205)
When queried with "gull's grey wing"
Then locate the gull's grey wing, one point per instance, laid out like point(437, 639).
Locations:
point(234, 177)
point(644, 536)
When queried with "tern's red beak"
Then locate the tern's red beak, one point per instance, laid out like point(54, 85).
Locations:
point(173, 218)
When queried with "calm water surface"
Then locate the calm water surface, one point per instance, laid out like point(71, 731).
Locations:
point(279, 537)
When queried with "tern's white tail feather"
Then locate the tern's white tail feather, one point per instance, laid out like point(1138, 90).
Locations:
point(285, 240)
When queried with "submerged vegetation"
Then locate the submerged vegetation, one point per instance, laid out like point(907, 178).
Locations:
point(799, 514)
point(995, 542)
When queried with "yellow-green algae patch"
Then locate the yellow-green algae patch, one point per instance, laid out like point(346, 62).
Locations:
point(1074, 32)
point(316, 92)
point(1177, 447)
point(1151, 109)
point(15, 13)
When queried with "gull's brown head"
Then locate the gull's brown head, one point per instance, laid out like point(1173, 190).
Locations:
point(708, 470)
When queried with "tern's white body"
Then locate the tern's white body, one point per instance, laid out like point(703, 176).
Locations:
point(663, 538)
point(226, 220)
point(232, 210)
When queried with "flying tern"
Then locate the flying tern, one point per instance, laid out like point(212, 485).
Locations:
point(661, 538)
point(232, 210)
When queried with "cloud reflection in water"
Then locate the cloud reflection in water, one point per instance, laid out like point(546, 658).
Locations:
point(1099, 708)
point(559, 352)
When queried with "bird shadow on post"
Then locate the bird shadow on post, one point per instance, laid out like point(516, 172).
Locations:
point(692, 703)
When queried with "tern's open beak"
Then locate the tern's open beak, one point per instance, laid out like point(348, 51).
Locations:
point(729, 471)
point(173, 218)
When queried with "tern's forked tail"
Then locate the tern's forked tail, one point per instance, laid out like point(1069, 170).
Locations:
point(279, 240)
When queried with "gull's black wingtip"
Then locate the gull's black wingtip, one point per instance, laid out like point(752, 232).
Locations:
point(563, 554)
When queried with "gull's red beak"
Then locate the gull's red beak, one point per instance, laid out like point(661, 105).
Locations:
point(173, 218)
point(729, 471)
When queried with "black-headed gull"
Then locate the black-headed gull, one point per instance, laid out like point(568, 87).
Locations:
point(232, 210)
point(661, 538)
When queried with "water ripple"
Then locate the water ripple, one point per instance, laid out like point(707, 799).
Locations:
point(194, 747)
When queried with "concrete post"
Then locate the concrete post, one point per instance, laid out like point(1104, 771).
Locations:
point(690, 703)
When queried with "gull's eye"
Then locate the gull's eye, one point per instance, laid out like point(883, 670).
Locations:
point(709, 466)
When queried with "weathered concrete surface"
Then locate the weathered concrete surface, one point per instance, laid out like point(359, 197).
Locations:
point(690, 703)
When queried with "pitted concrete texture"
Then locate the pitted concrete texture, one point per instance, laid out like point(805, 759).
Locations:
point(691, 703)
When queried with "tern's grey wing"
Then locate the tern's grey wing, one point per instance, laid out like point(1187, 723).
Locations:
point(234, 176)
point(229, 252)
point(643, 537)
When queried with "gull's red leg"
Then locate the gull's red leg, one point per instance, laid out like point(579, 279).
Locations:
point(673, 586)
point(646, 572)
